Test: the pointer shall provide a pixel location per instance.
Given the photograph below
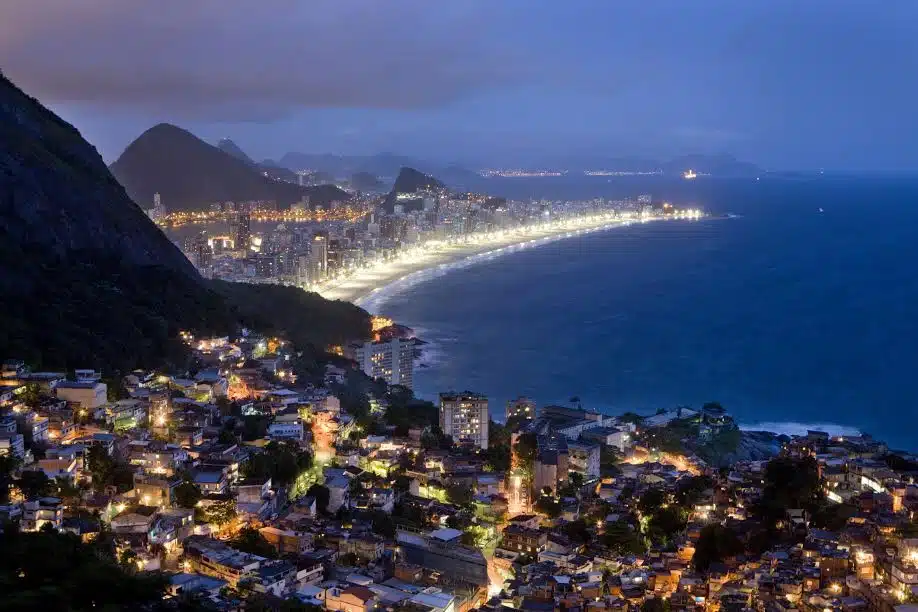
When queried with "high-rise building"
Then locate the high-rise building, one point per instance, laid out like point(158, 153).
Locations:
point(158, 211)
point(318, 256)
point(240, 231)
point(202, 255)
point(265, 265)
point(391, 360)
point(464, 416)
point(520, 411)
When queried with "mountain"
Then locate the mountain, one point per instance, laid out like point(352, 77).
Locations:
point(89, 281)
point(273, 171)
point(725, 166)
point(409, 181)
point(364, 181)
point(380, 165)
point(231, 148)
point(191, 174)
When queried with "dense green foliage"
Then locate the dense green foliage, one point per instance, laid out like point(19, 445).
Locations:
point(46, 570)
point(304, 318)
point(789, 483)
point(95, 312)
point(187, 494)
point(251, 541)
point(716, 544)
point(282, 462)
point(107, 471)
point(90, 281)
point(622, 538)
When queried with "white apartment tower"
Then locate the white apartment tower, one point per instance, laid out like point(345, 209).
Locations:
point(464, 417)
point(391, 360)
point(318, 256)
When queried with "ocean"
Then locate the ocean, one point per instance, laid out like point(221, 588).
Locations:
point(788, 316)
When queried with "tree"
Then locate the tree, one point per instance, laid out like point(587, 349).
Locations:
point(608, 460)
point(651, 501)
point(790, 482)
point(8, 465)
point(716, 544)
point(34, 483)
point(655, 604)
point(187, 494)
point(383, 524)
point(577, 531)
point(459, 494)
point(251, 541)
point(548, 505)
point(621, 538)
point(666, 523)
point(30, 395)
point(321, 494)
point(690, 489)
point(433, 438)
point(282, 462)
point(53, 571)
point(348, 560)
point(401, 484)
point(226, 436)
point(631, 417)
point(225, 406)
point(219, 513)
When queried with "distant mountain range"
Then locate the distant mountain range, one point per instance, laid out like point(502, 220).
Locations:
point(191, 174)
point(386, 165)
point(716, 165)
point(389, 164)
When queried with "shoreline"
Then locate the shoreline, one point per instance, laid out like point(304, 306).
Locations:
point(372, 288)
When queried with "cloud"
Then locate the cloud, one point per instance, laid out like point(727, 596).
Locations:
point(237, 60)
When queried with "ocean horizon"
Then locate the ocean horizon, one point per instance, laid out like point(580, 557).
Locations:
point(791, 318)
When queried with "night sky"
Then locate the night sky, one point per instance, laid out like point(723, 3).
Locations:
point(788, 84)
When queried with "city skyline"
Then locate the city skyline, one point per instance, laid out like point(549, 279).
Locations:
point(782, 85)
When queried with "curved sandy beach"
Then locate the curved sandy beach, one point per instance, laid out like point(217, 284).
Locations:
point(370, 288)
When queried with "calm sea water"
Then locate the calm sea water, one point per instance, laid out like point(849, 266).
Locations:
point(785, 315)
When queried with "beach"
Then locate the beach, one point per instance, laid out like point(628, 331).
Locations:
point(371, 287)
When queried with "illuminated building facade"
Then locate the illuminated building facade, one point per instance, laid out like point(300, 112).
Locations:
point(241, 231)
point(391, 360)
point(464, 416)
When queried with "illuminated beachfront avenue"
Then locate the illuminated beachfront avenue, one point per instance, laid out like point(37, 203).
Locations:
point(367, 284)
point(364, 248)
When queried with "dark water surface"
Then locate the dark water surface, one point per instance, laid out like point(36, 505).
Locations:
point(784, 315)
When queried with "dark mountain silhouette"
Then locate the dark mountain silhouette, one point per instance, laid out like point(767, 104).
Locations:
point(385, 165)
point(410, 181)
point(89, 281)
point(272, 170)
point(191, 174)
point(231, 148)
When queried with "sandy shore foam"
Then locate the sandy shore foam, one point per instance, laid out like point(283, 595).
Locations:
point(373, 287)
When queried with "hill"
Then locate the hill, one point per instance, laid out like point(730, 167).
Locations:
point(88, 280)
point(191, 174)
point(231, 148)
point(410, 180)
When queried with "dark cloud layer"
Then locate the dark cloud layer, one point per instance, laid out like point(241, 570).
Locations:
point(787, 83)
point(236, 60)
